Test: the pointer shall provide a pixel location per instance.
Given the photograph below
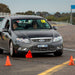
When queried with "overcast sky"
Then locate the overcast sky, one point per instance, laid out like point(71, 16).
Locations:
point(50, 6)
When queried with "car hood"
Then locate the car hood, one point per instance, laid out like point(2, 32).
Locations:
point(36, 33)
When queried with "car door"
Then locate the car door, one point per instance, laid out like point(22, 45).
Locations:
point(6, 36)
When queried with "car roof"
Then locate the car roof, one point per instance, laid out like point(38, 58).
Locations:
point(24, 16)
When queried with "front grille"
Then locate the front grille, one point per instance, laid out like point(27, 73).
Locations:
point(41, 40)
point(49, 48)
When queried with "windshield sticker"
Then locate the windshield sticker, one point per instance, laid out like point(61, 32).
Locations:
point(43, 21)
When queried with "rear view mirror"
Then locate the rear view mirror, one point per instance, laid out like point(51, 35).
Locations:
point(55, 28)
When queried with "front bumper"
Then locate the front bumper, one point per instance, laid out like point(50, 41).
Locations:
point(52, 47)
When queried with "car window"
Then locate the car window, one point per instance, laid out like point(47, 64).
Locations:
point(1, 18)
point(3, 23)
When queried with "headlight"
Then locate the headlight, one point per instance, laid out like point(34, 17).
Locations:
point(56, 39)
point(22, 40)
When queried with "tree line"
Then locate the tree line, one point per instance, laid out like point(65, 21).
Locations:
point(51, 17)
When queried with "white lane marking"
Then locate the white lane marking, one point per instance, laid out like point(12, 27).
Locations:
point(68, 49)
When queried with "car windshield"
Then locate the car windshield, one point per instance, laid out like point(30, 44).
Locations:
point(30, 24)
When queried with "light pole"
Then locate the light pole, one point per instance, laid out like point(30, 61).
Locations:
point(72, 7)
point(71, 17)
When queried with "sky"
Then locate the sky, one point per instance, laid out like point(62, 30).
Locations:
point(50, 6)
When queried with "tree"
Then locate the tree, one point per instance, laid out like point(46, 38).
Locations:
point(30, 13)
point(4, 8)
point(73, 14)
point(43, 14)
point(20, 13)
point(57, 14)
point(38, 13)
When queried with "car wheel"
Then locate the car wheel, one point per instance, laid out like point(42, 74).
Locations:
point(58, 53)
point(12, 53)
point(1, 51)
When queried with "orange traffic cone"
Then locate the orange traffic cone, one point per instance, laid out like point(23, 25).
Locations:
point(29, 54)
point(8, 63)
point(71, 61)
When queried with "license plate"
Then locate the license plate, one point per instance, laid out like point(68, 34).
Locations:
point(42, 45)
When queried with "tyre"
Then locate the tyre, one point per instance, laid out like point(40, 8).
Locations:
point(1, 51)
point(12, 53)
point(58, 53)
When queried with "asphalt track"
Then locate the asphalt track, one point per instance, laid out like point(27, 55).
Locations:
point(38, 65)
point(43, 64)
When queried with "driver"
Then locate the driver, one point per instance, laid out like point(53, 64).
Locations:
point(15, 25)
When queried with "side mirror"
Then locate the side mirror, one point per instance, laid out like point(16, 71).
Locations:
point(55, 28)
point(5, 30)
